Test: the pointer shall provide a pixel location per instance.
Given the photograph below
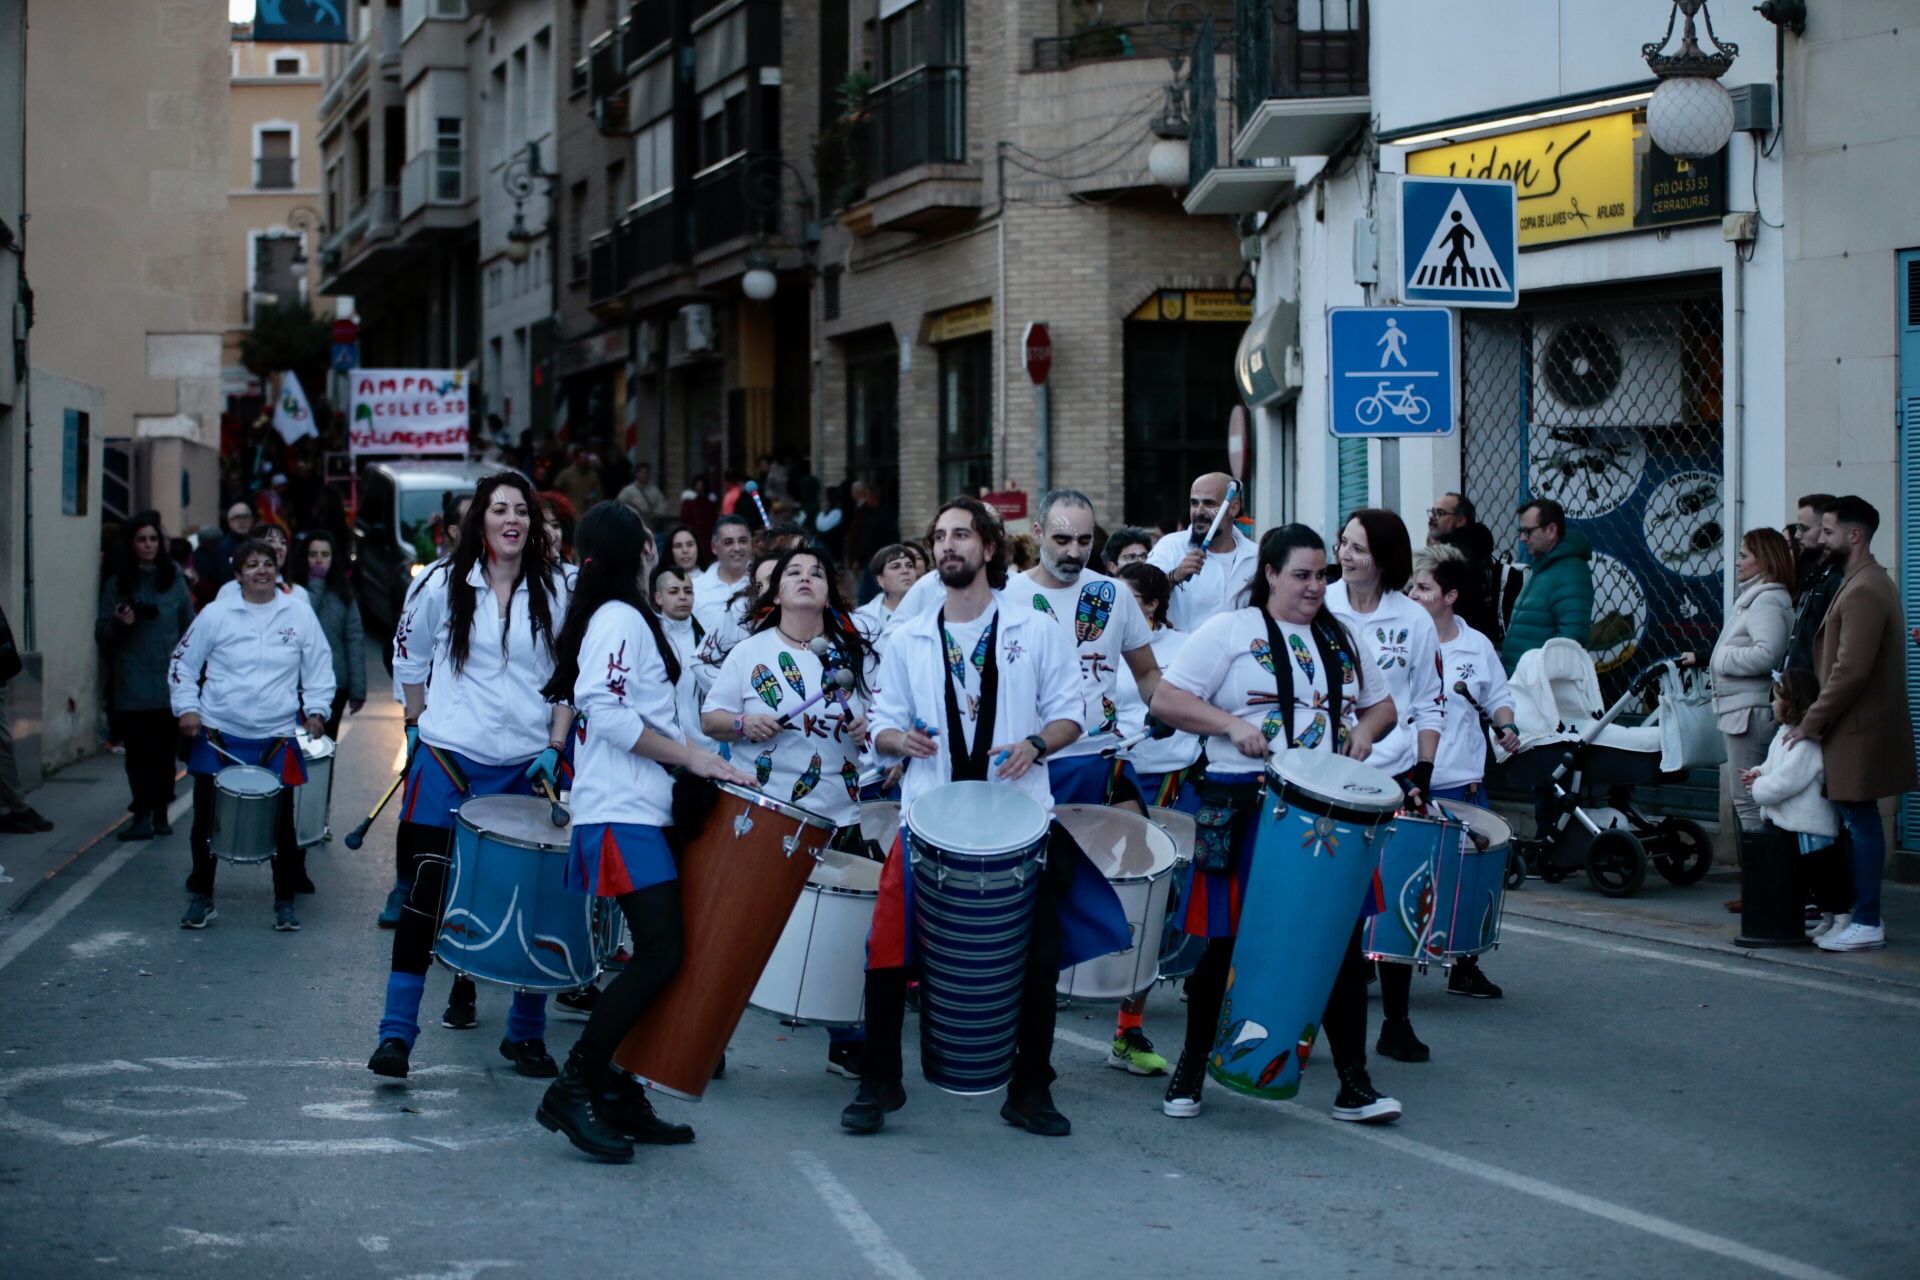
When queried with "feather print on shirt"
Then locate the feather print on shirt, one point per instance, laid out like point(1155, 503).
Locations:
point(1092, 611)
point(1262, 655)
point(766, 686)
point(1302, 656)
point(790, 671)
point(804, 784)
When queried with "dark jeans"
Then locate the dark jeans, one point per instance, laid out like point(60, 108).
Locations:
point(1344, 1022)
point(659, 940)
point(1867, 837)
point(289, 863)
point(150, 738)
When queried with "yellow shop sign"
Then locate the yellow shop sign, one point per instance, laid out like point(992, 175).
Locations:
point(1573, 180)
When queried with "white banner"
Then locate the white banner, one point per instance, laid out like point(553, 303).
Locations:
point(417, 411)
point(292, 415)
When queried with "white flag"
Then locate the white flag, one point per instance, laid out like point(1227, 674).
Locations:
point(292, 415)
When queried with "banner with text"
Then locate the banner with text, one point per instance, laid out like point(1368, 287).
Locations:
point(418, 411)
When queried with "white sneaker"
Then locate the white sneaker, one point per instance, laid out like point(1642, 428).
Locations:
point(1832, 922)
point(1817, 927)
point(1854, 937)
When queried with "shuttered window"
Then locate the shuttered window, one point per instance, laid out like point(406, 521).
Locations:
point(1353, 477)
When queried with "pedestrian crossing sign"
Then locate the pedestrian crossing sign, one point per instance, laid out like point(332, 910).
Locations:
point(1459, 240)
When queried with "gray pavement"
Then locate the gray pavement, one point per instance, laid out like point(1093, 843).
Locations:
point(195, 1104)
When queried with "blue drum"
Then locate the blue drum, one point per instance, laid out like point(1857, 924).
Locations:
point(1470, 885)
point(976, 850)
point(1315, 852)
point(1410, 851)
point(509, 917)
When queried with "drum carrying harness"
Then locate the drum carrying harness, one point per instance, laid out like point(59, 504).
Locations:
point(969, 762)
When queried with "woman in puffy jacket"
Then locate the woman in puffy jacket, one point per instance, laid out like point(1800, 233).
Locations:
point(318, 566)
point(145, 607)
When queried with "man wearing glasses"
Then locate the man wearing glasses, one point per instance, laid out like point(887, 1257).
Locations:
point(1558, 597)
point(1451, 522)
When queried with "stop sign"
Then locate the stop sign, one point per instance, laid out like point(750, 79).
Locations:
point(345, 332)
point(1038, 345)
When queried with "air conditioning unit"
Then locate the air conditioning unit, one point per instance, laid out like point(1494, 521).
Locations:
point(646, 347)
point(691, 335)
point(1601, 373)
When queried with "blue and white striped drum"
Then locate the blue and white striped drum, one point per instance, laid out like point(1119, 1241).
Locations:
point(976, 850)
point(1469, 886)
point(1315, 852)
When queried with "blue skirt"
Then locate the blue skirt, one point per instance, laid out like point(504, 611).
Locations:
point(1092, 779)
point(609, 859)
point(442, 780)
point(277, 754)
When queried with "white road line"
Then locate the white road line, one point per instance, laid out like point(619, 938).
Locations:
point(39, 926)
point(1756, 970)
point(867, 1236)
point(1085, 1042)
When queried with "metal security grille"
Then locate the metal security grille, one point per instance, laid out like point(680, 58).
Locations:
point(1610, 404)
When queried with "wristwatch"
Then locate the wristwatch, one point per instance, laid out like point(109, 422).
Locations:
point(1039, 746)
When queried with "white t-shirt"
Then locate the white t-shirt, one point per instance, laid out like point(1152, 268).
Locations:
point(1470, 658)
point(1397, 640)
point(622, 692)
point(1103, 621)
point(1228, 663)
point(1162, 755)
point(685, 638)
point(711, 596)
point(873, 618)
point(815, 764)
point(964, 646)
point(1221, 586)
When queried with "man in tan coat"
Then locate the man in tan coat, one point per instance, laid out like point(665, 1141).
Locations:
point(1861, 718)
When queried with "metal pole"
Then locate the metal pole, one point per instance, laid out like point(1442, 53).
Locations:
point(1042, 437)
point(1390, 473)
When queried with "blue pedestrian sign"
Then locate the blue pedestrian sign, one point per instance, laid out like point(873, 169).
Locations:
point(1459, 242)
point(346, 357)
point(1391, 371)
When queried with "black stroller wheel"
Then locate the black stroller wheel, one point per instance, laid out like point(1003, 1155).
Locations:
point(1616, 863)
point(1681, 850)
point(1516, 870)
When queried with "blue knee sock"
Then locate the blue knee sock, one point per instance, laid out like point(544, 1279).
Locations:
point(856, 1034)
point(527, 1017)
point(401, 1021)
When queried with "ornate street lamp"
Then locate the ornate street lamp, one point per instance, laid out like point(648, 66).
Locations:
point(763, 190)
point(521, 178)
point(1690, 115)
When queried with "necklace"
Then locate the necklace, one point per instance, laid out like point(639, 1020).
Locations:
point(785, 635)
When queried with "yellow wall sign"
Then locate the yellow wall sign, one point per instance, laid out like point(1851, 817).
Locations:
point(1573, 180)
point(1198, 306)
point(962, 322)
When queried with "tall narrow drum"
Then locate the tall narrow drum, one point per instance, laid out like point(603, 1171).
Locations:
point(313, 798)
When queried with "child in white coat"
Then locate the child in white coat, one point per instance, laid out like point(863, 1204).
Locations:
point(1789, 785)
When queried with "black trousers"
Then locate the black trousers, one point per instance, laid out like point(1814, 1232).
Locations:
point(289, 861)
point(1033, 1035)
point(150, 738)
point(429, 850)
point(333, 716)
point(1344, 1023)
point(659, 941)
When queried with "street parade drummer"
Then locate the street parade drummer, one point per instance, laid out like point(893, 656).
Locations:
point(1259, 682)
point(472, 652)
point(1014, 674)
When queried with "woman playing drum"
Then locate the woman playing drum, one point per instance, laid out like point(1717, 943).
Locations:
point(615, 663)
point(472, 652)
point(1226, 683)
point(262, 655)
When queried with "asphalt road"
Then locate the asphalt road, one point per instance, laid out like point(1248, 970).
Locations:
point(195, 1104)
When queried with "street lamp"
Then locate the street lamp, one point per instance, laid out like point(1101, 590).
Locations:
point(1167, 159)
point(1690, 115)
point(763, 191)
point(520, 180)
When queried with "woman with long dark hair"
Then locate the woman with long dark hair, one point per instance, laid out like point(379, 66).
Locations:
point(615, 664)
point(1228, 682)
point(145, 608)
point(473, 650)
point(683, 550)
point(317, 565)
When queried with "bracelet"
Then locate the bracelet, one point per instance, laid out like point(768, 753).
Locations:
point(739, 726)
point(556, 744)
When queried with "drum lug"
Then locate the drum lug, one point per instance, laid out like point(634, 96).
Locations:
point(1279, 809)
point(742, 823)
point(790, 843)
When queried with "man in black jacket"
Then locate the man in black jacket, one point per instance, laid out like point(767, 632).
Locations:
point(1817, 580)
point(1451, 522)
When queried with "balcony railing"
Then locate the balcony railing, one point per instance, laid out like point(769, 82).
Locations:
point(1298, 49)
point(374, 217)
point(725, 207)
point(1111, 42)
point(919, 118)
point(649, 25)
point(603, 267)
point(436, 177)
point(273, 173)
point(581, 74)
point(646, 240)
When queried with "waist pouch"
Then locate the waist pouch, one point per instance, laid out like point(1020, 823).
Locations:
point(1225, 811)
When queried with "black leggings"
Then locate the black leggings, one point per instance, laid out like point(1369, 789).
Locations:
point(149, 738)
point(427, 850)
point(1344, 1022)
point(659, 941)
point(289, 860)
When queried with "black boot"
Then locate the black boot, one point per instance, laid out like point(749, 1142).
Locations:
point(625, 1106)
point(568, 1107)
point(390, 1059)
point(1397, 1041)
point(867, 1113)
point(141, 828)
point(1032, 1109)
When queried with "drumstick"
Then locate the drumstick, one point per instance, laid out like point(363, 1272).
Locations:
point(1233, 491)
point(1128, 745)
point(557, 814)
point(830, 681)
point(358, 836)
point(1486, 721)
point(1480, 843)
point(752, 489)
point(208, 738)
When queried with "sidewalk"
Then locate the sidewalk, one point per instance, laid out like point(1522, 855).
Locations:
point(86, 802)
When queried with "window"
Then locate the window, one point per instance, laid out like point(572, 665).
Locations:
point(497, 117)
point(540, 86)
point(966, 415)
point(274, 165)
point(920, 105)
point(517, 100)
point(616, 191)
point(277, 275)
point(448, 157)
point(873, 414)
point(333, 194)
point(289, 64)
point(1179, 393)
point(653, 161)
point(723, 122)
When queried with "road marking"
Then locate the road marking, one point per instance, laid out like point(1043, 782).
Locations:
point(100, 943)
point(458, 1271)
point(867, 1235)
point(178, 1100)
point(1756, 970)
point(38, 927)
point(374, 1244)
point(1085, 1042)
point(207, 1239)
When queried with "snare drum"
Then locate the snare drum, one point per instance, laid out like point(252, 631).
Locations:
point(1410, 850)
point(509, 916)
point(1137, 858)
point(246, 813)
point(818, 970)
point(1179, 951)
point(1470, 885)
point(1315, 851)
point(977, 850)
point(314, 797)
point(739, 880)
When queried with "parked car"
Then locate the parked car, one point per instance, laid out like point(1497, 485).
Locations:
point(397, 503)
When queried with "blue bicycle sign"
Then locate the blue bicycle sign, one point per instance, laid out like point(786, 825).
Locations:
point(1390, 371)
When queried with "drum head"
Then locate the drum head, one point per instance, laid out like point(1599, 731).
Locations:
point(1179, 825)
point(977, 817)
point(247, 780)
point(793, 812)
point(880, 822)
point(1338, 780)
point(838, 870)
point(314, 748)
point(1484, 823)
point(521, 820)
point(1125, 846)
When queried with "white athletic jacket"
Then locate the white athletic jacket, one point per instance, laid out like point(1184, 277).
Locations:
point(1220, 587)
point(261, 663)
point(623, 692)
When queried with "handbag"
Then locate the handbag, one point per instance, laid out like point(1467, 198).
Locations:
point(1690, 736)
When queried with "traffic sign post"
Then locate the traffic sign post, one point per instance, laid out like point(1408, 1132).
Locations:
point(1459, 242)
point(1037, 347)
point(1390, 372)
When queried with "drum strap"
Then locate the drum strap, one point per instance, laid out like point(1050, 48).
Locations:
point(1331, 653)
point(970, 759)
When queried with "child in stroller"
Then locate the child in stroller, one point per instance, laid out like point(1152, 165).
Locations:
point(1570, 751)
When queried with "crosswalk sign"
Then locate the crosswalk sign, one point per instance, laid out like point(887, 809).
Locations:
point(1459, 240)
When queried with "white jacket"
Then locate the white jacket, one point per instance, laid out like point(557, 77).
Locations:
point(492, 710)
point(1220, 587)
point(263, 665)
point(1788, 788)
point(1039, 682)
point(622, 692)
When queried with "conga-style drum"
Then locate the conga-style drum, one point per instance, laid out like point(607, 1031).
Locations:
point(1137, 858)
point(977, 851)
point(1179, 950)
point(1315, 852)
point(313, 798)
point(1469, 885)
point(818, 970)
point(1409, 851)
point(739, 879)
point(246, 813)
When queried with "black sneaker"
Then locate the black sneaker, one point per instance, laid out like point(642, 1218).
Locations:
point(867, 1113)
point(1183, 1091)
point(1398, 1042)
point(283, 918)
point(161, 827)
point(141, 828)
point(530, 1058)
point(844, 1059)
point(461, 1014)
point(1033, 1110)
point(579, 1003)
point(1467, 980)
point(390, 1059)
point(1359, 1102)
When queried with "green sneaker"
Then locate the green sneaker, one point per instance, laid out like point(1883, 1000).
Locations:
point(1133, 1052)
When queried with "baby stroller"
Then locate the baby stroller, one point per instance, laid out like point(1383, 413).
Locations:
point(1576, 751)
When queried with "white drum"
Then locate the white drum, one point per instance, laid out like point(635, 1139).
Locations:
point(246, 813)
point(818, 970)
point(314, 798)
point(1137, 858)
point(1181, 826)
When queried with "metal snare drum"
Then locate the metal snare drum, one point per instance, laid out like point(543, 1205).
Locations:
point(246, 813)
point(313, 798)
point(1137, 858)
point(509, 916)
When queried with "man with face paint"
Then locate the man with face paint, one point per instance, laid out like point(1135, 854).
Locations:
point(1213, 578)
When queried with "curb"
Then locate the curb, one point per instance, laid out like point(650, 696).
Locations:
point(85, 847)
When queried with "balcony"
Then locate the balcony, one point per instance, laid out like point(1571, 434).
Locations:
point(1214, 188)
point(434, 179)
point(643, 243)
point(607, 80)
point(919, 118)
point(350, 251)
point(649, 25)
point(273, 173)
point(1300, 77)
point(725, 209)
point(1112, 42)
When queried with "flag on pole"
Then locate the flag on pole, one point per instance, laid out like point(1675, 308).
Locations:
point(561, 412)
point(292, 415)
